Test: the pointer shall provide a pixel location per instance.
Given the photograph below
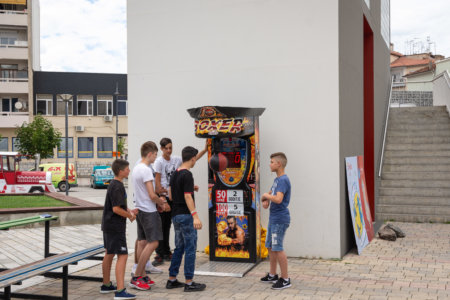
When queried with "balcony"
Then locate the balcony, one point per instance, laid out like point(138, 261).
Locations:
point(17, 51)
point(13, 119)
point(13, 18)
point(14, 85)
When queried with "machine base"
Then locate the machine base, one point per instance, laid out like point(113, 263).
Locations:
point(224, 269)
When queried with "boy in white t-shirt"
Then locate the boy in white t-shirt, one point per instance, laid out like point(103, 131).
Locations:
point(165, 166)
point(149, 230)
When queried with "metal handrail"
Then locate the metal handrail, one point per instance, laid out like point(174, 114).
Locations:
point(13, 12)
point(21, 45)
point(16, 113)
point(385, 127)
point(14, 79)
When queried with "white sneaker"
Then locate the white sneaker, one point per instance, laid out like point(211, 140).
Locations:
point(133, 270)
point(149, 268)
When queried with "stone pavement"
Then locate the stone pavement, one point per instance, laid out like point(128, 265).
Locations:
point(416, 267)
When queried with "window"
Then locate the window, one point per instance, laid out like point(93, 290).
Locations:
point(7, 41)
point(8, 71)
point(84, 105)
point(104, 147)
point(15, 144)
point(61, 107)
point(44, 105)
point(62, 148)
point(8, 104)
point(385, 21)
point(8, 37)
point(104, 105)
point(3, 144)
point(122, 107)
point(85, 147)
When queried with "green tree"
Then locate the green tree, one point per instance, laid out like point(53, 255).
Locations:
point(121, 146)
point(38, 136)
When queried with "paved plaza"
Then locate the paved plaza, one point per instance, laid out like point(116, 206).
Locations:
point(415, 267)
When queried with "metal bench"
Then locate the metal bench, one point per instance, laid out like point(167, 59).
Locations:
point(43, 267)
point(30, 220)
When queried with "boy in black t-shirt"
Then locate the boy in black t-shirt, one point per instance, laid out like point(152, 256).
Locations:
point(115, 214)
point(185, 222)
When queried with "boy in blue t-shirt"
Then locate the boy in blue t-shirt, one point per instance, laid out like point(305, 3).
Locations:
point(278, 198)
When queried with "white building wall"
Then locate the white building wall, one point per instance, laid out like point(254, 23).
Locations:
point(35, 36)
point(281, 55)
point(441, 90)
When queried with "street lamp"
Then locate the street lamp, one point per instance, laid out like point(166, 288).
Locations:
point(116, 93)
point(67, 98)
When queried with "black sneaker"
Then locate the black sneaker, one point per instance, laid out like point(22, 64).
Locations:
point(168, 257)
point(270, 279)
point(194, 287)
point(281, 284)
point(108, 289)
point(174, 284)
point(158, 261)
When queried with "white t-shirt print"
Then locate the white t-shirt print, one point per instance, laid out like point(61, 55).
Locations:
point(166, 168)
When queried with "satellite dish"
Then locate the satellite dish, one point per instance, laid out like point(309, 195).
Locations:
point(18, 105)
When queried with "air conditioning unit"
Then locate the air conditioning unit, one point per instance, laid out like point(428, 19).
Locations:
point(108, 118)
point(79, 128)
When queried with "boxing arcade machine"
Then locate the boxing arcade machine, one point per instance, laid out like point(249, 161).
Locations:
point(233, 187)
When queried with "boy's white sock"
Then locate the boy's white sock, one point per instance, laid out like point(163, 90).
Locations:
point(148, 264)
point(271, 275)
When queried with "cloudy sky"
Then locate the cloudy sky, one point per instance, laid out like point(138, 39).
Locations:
point(84, 36)
point(418, 19)
point(90, 35)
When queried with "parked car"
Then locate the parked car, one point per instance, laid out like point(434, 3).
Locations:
point(15, 181)
point(58, 171)
point(101, 176)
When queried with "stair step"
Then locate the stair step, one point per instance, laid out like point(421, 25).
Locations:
point(394, 121)
point(399, 183)
point(416, 147)
point(415, 175)
point(416, 168)
point(418, 140)
point(417, 153)
point(412, 218)
point(418, 116)
point(419, 109)
point(416, 127)
point(415, 192)
point(414, 209)
point(437, 160)
point(419, 133)
point(410, 200)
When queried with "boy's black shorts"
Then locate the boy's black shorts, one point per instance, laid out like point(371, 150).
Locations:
point(115, 242)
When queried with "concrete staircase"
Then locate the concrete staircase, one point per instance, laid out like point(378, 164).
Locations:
point(415, 182)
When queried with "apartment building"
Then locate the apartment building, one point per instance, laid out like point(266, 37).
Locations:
point(19, 56)
point(97, 114)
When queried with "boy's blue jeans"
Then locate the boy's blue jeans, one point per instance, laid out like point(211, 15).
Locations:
point(185, 243)
point(275, 236)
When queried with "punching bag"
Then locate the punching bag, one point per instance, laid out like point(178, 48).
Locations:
point(218, 162)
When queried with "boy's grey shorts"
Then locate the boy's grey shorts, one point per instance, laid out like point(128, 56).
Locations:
point(149, 226)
